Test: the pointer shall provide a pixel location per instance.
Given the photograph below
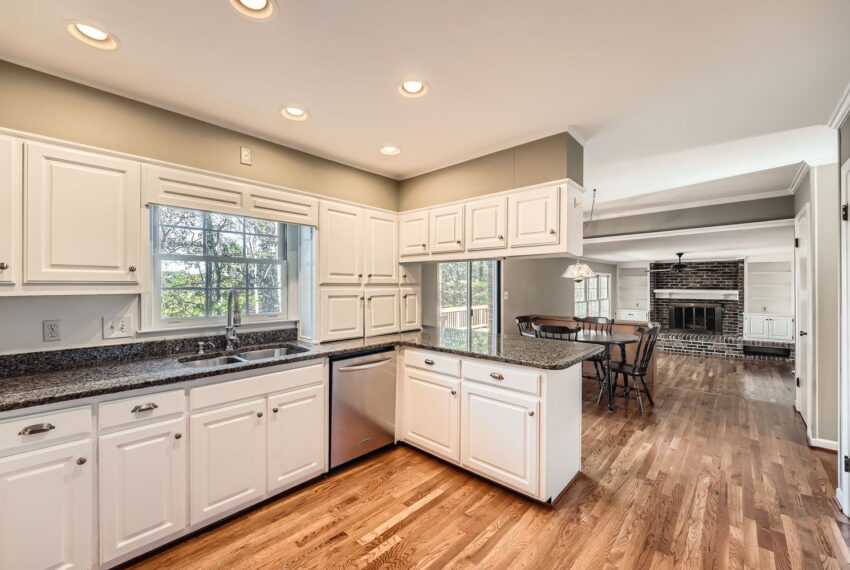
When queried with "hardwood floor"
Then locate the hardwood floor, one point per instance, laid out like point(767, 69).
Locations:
point(714, 476)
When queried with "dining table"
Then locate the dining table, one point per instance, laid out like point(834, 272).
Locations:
point(607, 340)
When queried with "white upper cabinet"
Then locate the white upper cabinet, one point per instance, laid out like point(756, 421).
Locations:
point(382, 311)
point(410, 274)
point(533, 217)
point(413, 233)
point(340, 244)
point(297, 437)
point(82, 216)
point(446, 229)
point(187, 189)
point(10, 209)
point(485, 223)
point(380, 257)
point(411, 309)
point(341, 313)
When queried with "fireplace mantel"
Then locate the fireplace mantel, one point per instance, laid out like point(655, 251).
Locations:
point(715, 294)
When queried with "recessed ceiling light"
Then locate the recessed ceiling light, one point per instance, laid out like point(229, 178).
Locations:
point(413, 88)
point(92, 35)
point(254, 9)
point(295, 113)
point(390, 149)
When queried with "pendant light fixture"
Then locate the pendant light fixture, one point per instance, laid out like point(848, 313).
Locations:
point(579, 271)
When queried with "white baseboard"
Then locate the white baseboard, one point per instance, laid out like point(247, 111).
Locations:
point(839, 496)
point(823, 443)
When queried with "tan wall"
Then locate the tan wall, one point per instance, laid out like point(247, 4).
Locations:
point(38, 103)
point(844, 141)
point(552, 158)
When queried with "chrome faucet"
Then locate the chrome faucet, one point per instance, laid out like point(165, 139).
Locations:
point(234, 319)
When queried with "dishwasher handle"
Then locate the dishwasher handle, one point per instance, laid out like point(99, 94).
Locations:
point(364, 366)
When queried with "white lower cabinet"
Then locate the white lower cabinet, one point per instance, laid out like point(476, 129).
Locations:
point(758, 326)
point(46, 505)
point(228, 458)
point(432, 413)
point(499, 435)
point(142, 486)
point(296, 437)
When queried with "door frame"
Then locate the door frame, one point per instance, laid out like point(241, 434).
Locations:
point(804, 398)
point(842, 491)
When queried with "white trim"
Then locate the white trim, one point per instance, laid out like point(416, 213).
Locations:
point(798, 178)
point(693, 231)
point(842, 492)
point(842, 110)
point(808, 413)
point(839, 496)
point(823, 443)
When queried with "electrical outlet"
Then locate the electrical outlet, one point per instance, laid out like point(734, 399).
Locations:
point(118, 327)
point(50, 331)
point(245, 156)
point(505, 296)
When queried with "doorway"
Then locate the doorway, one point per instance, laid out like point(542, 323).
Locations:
point(803, 315)
point(468, 295)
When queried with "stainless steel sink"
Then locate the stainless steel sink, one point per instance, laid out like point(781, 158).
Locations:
point(218, 361)
point(277, 352)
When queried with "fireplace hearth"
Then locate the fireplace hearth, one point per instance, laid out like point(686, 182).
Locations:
point(701, 318)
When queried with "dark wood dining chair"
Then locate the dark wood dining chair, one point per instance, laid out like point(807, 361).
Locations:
point(638, 368)
point(524, 324)
point(598, 324)
point(555, 332)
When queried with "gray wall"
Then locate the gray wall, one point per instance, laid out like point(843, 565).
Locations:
point(844, 141)
point(781, 208)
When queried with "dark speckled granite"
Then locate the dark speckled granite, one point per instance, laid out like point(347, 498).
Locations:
point(111, 377)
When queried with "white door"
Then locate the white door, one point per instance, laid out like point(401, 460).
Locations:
point(533, 217)
point(10, 208)
point(382, 311)
point(340, 313)
point(446, 229)
point(340, 244)
point(411, 309)
point(755, 326)
point(780, 328)
point(142, 486)
point(803, 313)
point(485, 223)
point(499, 435)
point(46, 504)
point(381, 253)
point(432, 413)
point(297, 437)
point(228, 458)
point(413, 233)
point(82, 216)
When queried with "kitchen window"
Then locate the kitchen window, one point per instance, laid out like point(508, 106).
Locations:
point(198, 257)
point(592, 296)
point(469, 295)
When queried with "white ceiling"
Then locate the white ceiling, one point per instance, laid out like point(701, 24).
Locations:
point(637, 80)
point(769, 241)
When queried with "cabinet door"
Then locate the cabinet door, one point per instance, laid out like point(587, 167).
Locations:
point(46, 504)
point(755, 326)
point(297, 437)
point(228, 458)
point(10, 208)
point(485, 223)
point(340, 244)
point(432, 413)
point(340, 313)
point(142, 486)
point(499, 435)
point(381, 253)
point(413, 233)
point(780, 328)
point(382, 311)
point(410, 274)
point(446, 229)
point(411, 309)
point(533, 217)
point(82, 216)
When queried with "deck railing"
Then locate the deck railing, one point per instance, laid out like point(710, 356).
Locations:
point(457, 317)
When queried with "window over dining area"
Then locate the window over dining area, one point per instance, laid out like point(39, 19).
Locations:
point(592, 296)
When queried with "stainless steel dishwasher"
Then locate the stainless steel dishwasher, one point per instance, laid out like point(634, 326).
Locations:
point(362, 404)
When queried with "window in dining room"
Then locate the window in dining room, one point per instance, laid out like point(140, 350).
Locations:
point(592, 296)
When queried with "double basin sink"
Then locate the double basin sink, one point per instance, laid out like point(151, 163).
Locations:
point(247, 356)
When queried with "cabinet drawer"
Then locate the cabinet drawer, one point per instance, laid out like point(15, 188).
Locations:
point(229, 392)
point(44, 428)
point(140, 408)
point(434, 362)
point(522, 380)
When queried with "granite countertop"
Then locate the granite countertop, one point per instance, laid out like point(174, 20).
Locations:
point(113, 377)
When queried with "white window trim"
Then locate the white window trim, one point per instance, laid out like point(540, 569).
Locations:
point(583, 284)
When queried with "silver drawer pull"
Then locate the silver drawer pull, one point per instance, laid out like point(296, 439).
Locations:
point(429, 362)
point(144, 408)
point(454, 392)
point(530, 412)
point(36, 428)
point(496, 376)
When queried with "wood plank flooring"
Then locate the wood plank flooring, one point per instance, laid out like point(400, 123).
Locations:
point(715, 476)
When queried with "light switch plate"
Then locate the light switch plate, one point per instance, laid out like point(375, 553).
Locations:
point(50, 331)
point(118, 327)
point(245, 156)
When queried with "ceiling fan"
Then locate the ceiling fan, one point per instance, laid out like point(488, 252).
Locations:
point(677, 267)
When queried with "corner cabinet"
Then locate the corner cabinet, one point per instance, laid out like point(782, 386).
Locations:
point(83, 215)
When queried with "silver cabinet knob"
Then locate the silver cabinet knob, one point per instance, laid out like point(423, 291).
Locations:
point(458, 242)
point(369, 276)
point(132, 268)
point(178, 435)
point(404, 276)
point(359, 275)
point(424, 245)
point(552, 232)
point(259, 414)
point(275, 410)
point(81, 461)
point(361, 298)
point(368, 298)
point(500, 237)
point(4, 265)
point(530, 412)
point(454, 392)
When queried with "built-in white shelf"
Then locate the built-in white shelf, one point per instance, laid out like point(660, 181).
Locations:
point(769, 288)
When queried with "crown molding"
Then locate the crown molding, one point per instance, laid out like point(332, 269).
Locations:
point(842, 109)
point(798, 178)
